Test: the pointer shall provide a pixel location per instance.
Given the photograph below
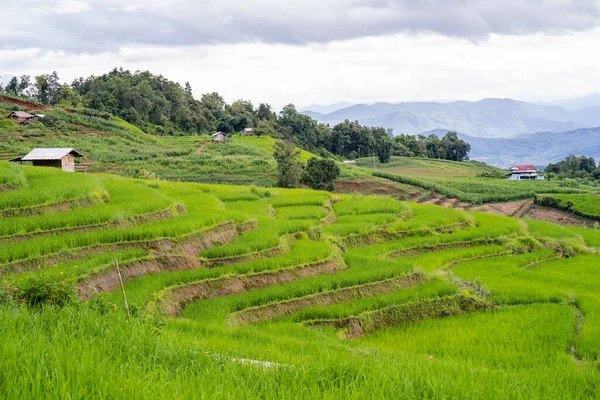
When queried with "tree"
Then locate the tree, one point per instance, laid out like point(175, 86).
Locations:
point(266, 113)
point(46, 88)
point(320, 173)
point(456, 149)
point(68, 97)
point(24, 85)
point(188, 88)
point(288, 164)
point(265, 128)
point(12, 85)
point(383, 149)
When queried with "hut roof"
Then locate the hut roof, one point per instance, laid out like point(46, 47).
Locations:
point(50, 154)
point(22, 114)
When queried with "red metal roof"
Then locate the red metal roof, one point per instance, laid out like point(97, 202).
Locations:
point(525, 167)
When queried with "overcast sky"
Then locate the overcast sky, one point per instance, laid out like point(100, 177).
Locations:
point(317, 51)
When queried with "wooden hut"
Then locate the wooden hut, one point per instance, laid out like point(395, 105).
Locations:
point(22, 117)
point(220, 137)
point(63, 158)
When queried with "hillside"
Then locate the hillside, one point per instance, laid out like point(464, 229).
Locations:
point(485, 118)
point(285, 293)
point(460, 181)
point(113, 145)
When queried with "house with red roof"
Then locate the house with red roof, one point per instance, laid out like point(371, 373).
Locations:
point(524, 172)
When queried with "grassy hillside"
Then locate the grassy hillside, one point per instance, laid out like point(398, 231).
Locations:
point(241, 292)
point(427, 167)
point(112, 145)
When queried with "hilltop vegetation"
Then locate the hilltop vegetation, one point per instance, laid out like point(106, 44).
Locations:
point(252, 292)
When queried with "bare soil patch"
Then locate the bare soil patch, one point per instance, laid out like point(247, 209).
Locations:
point(560, 217)
point(377, 187)
point(22, 103)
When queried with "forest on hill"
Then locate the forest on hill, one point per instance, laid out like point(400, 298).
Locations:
point(162, 107)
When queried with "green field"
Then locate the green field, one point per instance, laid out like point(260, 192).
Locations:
point(584, 205)
point(114, 146)
point(460, 180)
point(426, 167)
point(245, 292)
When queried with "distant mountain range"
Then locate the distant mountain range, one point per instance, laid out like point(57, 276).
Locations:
point(326, 108)
point(492, 118)
point(501, 132)
point(539, 148)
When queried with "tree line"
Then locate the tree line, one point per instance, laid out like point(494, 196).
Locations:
point(582, 168)
point(160, 106)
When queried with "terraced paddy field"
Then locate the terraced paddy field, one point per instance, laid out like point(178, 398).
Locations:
point(243, 292)
point(459, 180)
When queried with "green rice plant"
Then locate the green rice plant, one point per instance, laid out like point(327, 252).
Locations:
point(266, 236)
point(434, 288)
point(301, 212)
point(477, 191)
point(202, 211)
point(118, 207)
point(513, 338)
point(364, 267)
point(73, 271)
point(429, 217)
point(11, 176)
point(361, 224)
point(368, 205)
point(140, 290)
point(298, 197)
point(584, 205)
point(50, 186)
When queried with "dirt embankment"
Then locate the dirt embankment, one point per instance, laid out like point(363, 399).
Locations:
point(191, 245)
point(253, 315)
point(127, 223)
point(108, 281)
point(441, 246)
point(177, 298)
point(171, 256)
point(22, 103)
point(48, 209)
point(369, 322)
point(516, 209)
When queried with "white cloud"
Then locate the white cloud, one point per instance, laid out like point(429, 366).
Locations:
point(392, 68)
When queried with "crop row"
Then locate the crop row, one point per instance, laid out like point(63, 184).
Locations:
point(477, 191)
point(584, 205)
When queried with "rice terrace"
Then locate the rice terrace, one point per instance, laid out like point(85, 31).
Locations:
point(316, 203)
point(265, 292)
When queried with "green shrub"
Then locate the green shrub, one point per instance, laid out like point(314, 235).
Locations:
point(8, 292)
point(41, 290)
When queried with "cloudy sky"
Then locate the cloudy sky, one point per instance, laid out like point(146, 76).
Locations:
point(317, 51)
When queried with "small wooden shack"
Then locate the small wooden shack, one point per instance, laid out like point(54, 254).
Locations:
point(220, 137)
point(248, 131)
point(63, 158)
point(22, 117)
